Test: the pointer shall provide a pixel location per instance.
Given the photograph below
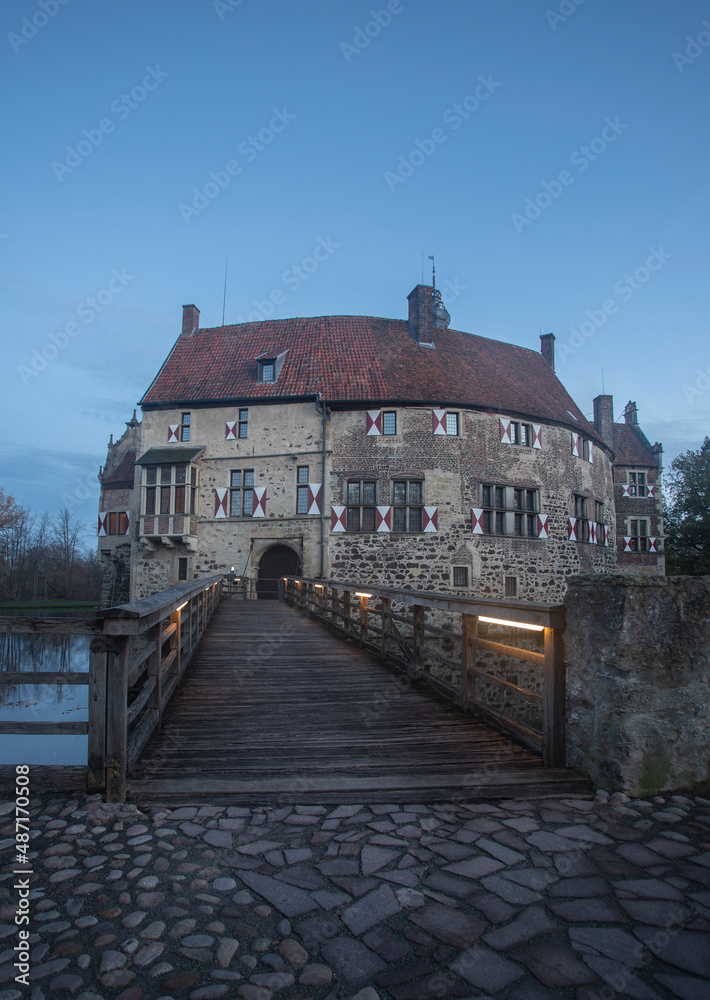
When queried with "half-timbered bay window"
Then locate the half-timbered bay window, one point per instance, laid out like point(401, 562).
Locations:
point(241, 493)
point(362, 498)
point(170, 489)
point(407, 505)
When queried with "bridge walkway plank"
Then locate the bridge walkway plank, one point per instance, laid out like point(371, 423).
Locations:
point(275, 707)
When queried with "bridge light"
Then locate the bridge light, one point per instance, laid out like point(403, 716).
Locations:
point(182, 606)
point(501, 621)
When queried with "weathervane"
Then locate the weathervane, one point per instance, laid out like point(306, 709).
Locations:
point(433, 272)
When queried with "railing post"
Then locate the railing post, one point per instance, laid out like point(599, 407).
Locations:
point(469, 631)
point(386, 623)
point(553, 740)
point(281, 589)
point(418, 638)
point(175, 641)
point(346, 611)
point(363, 619)
point(96, 777)
point(116, 723)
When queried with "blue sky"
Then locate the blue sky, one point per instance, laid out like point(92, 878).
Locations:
point(552, 156)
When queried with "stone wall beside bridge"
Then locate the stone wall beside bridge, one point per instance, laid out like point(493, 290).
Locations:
point(638, 681)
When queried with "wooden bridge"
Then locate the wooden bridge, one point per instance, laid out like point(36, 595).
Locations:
point(275, 707)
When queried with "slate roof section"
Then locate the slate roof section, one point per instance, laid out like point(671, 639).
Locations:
point(122, 476)
point(170, 455)
point(632, 448)
point(363, 359)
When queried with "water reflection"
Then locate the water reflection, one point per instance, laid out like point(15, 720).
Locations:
point(43, 702)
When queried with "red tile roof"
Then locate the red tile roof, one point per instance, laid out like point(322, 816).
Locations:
point(629, 448)
point(363, 359)
point(122, 476)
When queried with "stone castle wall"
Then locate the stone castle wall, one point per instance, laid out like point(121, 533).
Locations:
point(638, 681)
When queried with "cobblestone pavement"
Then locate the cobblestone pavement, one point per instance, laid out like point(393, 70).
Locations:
point(523, 900)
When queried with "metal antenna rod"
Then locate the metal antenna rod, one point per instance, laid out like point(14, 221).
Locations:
point(224, 300)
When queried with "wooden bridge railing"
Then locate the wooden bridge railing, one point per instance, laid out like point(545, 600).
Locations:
point(418, 631)
point(139, 653)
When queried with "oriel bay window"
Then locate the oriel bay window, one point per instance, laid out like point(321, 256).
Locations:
point(407, 503)
point(170, 489)
point(362, 498)
point(241, 493)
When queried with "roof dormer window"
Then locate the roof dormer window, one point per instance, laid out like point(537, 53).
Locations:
point(269, 366)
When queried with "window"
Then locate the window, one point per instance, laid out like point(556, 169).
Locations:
point(510, 586)
point(389, 422)
point(493, 502)
point(452, 426)
point(521, 434)
point(117, 524)
point(639, 534)
point(526, 507)
point(637, 484)
point(460, 576)
point(170, 489)
point(302, 489)
point(241, 493)
point(580, 512)
point(267, 371)
point(182, 569)
point(599, 518)
point(407, 503)
point(243, 423)
point(362, 498)
point(185, 427)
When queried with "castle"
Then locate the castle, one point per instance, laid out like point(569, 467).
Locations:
point(400, 452)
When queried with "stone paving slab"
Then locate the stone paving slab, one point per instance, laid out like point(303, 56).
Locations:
point(571, 899)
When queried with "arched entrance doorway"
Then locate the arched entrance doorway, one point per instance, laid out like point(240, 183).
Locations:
point(276, 562)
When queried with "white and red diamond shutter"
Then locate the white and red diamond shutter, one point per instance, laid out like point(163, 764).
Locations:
point(431, 519)
point(652, 544)
point(439, 419)
point(230, 431)
point(337, 518)
point(536, 436)
point(542, 526)
point(103, 521)
point(572, 528)
point(220, 502)
point(627, 543)
point(593, 532)
point(315, 496)
point(591, 452)
point(575, 444)
point(128, 522)
point(383, 519)
point(505, 431)
point(477, 520)
point(374, 422)
point(173, 432)
point(259, 502)
point(626, 491)
point(606, 534)
point(651, 492)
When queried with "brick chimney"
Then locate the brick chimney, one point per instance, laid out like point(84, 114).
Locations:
point(604, 418)
point(631, 415)
point(422, 306)
point(190, 320)
point(547, 348)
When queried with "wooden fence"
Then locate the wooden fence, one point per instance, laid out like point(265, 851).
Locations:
point(139, 653)
point(418, 632)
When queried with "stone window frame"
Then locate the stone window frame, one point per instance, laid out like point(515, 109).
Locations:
point(362, 511)
point(239, 493)
point(636, 486)
point(463, 581)
point(414, 511)
point(638, 538)
point(185, 425)
point(117, 522)
point(182, 568)
point(511, 585)
point(242, 423)
point(520, 429)
point(395, 416)
point(302, 500)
